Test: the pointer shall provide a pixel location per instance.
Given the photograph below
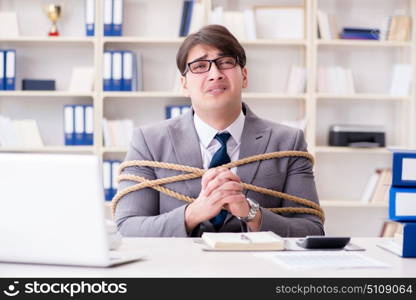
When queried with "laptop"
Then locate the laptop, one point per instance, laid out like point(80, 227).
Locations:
point(52, 211)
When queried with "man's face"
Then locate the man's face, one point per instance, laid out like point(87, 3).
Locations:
point(215, 89)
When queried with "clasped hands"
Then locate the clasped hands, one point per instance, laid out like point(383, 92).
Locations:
point(220, 189)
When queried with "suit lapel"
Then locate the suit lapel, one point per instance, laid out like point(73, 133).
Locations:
point(254, 140)
point(185, 142)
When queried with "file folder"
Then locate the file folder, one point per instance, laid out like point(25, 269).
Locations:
point(114, 169)
point(79, 125)
point(402, 204)
point(107, 81)
point(89, 124)
point(108, 16)
point(69, 125)
point(404, 169)
point(117, 70)
point(117, 26)
point(10, 70)
point(2, 70)
point(128, 71)
point(90, 17)
point(107, 180)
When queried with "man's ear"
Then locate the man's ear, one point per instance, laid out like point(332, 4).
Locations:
point(184, 86)
point(245, 77)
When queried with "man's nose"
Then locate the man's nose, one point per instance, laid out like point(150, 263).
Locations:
point(214, 73)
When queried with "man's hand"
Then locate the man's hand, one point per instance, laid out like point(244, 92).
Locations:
point(221, 189)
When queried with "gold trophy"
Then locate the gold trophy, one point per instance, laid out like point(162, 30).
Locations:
point(53, 11)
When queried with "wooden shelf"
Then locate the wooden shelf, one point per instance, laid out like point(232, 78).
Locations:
point(179, 40)
point(142, 95)
point(363, 43)
point(114, 150)
point(355, 203)
point(143, 40)
point(62, 94)
point(349, 150)
point(50, 149)
point(363, 96)
point(179, 95)
point(39, 39)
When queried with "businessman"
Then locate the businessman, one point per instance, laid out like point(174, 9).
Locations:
point(219, 129)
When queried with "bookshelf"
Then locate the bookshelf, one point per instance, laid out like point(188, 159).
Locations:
point(341, 173)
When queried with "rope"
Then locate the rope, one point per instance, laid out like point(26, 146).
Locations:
point(192, 172)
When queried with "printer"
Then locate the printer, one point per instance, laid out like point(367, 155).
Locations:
point(364, 136)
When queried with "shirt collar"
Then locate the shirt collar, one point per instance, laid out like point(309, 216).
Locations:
point(206, 133)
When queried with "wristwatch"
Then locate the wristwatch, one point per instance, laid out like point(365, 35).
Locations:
point(254, 208)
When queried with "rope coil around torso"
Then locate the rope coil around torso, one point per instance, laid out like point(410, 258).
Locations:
point(192, 172)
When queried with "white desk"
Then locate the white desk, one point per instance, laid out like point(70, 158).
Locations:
point(181, 257)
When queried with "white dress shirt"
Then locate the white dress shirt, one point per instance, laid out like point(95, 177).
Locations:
point(209, 145)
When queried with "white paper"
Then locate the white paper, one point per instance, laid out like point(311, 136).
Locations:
point(322, 260)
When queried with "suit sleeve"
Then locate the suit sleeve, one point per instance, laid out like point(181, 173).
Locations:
point(137, 213)
point(299, 182)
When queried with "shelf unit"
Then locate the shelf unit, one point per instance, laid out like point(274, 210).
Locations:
point(268, 63)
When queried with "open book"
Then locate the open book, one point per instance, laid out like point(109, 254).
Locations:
point(260, 241)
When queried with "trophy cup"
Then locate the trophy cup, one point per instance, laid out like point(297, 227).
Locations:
point(53, 11)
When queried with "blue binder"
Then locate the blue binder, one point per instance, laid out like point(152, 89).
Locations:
point(88, 135)
point(10, 74)
point(107, 173)
point(114, 175)
point(117, 70)
point(69, 124)
point(90, 17)
point(2, 70)
point(79, 128)
point(117, 18)
point(404, 169)
point(404, 241)
point(107, 76)
point(108, 17)
point(402, 204)
point(129, 78)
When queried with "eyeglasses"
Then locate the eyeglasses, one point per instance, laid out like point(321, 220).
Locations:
point(204, 65)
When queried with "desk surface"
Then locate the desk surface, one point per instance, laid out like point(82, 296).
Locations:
point(182, 257)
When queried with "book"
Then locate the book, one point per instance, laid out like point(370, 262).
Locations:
point(259, 241)
point(371, 186)
point(399, 29)
point(381, 192)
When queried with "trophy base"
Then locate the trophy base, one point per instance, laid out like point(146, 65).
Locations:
point(56, 33)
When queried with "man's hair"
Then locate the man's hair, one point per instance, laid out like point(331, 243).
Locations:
point(216, 36)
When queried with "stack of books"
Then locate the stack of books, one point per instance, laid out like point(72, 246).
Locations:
point(402, 204)
point(110, 173)
point(122, 71)
point(355, 33)
point(7, 70)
